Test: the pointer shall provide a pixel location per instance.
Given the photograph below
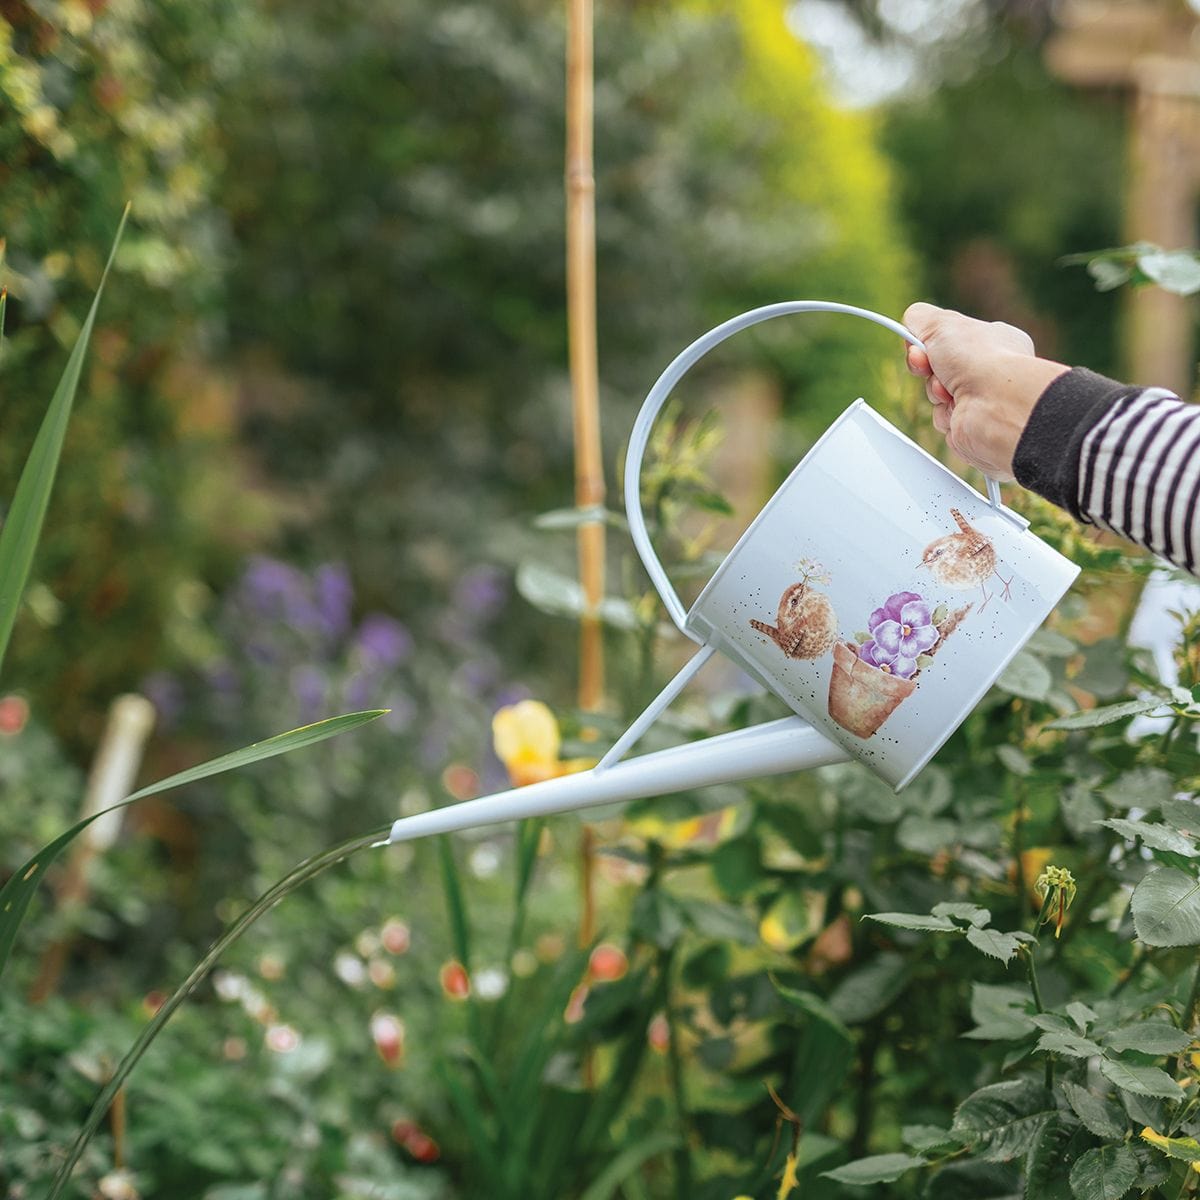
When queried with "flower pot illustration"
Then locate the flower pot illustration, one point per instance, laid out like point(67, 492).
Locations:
point(873, 677)
point(862, 697)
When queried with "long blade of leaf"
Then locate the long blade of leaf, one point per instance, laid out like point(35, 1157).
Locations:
point(627, 1162)
point(456, 906)
point(23, 522)
point(308, 869)
point(17, 893)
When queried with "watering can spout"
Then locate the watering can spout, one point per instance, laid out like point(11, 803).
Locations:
point(776, 748)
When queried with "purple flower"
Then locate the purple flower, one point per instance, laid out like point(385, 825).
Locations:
point(481, 592)
point(384, 642)
point(335, 596)
point(891, 609)
point(901, 631)
point(308, 687)
point(277, 591)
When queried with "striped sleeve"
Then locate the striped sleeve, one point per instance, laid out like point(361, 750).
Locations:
point(1124, 458)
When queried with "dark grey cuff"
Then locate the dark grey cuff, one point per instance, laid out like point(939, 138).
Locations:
point(1047, 456)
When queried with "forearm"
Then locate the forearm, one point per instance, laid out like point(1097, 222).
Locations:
point(1122, 457)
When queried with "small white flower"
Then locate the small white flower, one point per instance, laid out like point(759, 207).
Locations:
point(491, 983)
point(350, 969)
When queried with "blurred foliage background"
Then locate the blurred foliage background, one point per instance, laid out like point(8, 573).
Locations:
point(327, 397)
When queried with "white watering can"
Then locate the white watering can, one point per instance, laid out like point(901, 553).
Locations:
point(877, 594)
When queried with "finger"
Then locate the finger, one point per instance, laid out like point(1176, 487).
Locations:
point(918, 362)
point(941, 394)
point(921, 318)
point(942, 415)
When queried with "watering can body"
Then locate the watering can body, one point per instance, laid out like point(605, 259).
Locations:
point(877, 594)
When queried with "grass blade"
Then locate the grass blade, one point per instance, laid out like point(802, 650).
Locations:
point(456, 906)
point(627, 1162)
point(23, 521)
point(17, 893)
point(307, 870)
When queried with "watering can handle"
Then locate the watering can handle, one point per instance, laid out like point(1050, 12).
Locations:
point(640, 436)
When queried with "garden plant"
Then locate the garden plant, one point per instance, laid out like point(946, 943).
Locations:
point(985, 987)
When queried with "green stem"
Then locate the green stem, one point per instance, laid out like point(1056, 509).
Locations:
point(1018, 850)
point(683, 1161)
point(1141, 956)
point(1035, 988)
point(1189, 1016)
point(864, 1109)
point(302, 873)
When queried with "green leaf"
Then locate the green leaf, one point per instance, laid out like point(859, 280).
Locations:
point(628, 1162)
point(23, 522)
point(1183, 814)
point(657, 918)
point(1081, 809)
point(999, 1013)
point(712, 502)
point(572, 518)
point(1091, 718)
point(1050, 644)
point(460, 926)
point(17, 893)
point(724, 922)
point(866, 992)
point(925, 1138)
point(1051, 1022)
point(1099, 1115)
point(879, 1168)
point(1001, 1120)
point(924, 660)
point(994, 943)
point(551, 592)
point(1142, 1081)
point(1080, 1014)
point(972, 914)
point(1175, 271)
point(939, 614)
point(1186, 1149)
point(1070, 1044)
point(927, 835)
point(1149, 1037)
point(812, 1006)
point(862, 637)
point(975, 1181)
point(1143, 787)
point(1050, 1158)
point(1108, 275)
point(915, 921)
point(1014, 760)
point(1153, 1169)
point(1104, 1173)
point(1026, 676)
point(1157, 837)
point(1166, 908)
point(821, 1062)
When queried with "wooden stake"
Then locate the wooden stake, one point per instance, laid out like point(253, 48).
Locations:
point(130, 722)
point(581, 341)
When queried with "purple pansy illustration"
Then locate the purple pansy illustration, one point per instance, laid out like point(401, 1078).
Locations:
point(901, 630)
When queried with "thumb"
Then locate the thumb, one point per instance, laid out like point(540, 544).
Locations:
point(922, 319)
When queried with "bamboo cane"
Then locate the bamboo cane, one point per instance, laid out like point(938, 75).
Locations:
point(581, 340)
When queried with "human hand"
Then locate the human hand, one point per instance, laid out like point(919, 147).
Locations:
point(983, 379)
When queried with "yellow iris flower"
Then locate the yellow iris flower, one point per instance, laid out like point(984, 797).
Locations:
point(527, 741)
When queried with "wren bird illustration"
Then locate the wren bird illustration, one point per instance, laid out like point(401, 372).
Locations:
point(806, 626)
point(962, 560)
